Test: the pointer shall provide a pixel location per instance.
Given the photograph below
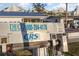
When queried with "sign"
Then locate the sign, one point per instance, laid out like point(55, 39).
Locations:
point(31, 36)
point(30, 32)
point(36, 36)
point(54, 28)
point(28, 27)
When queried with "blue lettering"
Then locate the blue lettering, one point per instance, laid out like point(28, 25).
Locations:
point(29, 27)
point(22, 27)
point(32, 36)
point(36, 27)
point(13, 27)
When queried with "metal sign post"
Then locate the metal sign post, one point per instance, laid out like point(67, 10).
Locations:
point(53, 39)
point(57, 51)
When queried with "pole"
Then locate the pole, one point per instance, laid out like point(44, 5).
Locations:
point(66, 17)
point(54, 44)
point(53, 39)
point(66, 14)
point(66, 20)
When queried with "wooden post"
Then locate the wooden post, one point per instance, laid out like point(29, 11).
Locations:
point(42, 51)
point(3, 48)
point(65, 45)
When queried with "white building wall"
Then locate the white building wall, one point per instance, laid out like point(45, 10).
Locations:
point(73, 35)
point(15, 37)
point(12, 37)
point(12, 20)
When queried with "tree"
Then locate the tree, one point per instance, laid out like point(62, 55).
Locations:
point(39, 7)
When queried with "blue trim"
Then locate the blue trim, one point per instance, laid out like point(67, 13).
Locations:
point(21, 14)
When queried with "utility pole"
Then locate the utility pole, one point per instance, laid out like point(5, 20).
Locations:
point(66, 20)
point(65, 38)
point(66, 15)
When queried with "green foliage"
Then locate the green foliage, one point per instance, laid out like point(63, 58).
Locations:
point(39, 7)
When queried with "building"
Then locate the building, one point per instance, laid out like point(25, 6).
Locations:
point(29, 30)
point(14, 8)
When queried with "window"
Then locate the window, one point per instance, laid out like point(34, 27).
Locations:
point(35, 20)
point(31, 20)
point(3, 40)
point(76, 18)
point(26, 20)
point(56, 20)
point(52, 19)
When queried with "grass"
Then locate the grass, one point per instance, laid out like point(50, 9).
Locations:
point(50, 52)
point(67, 54)
point(74, 48)
point(23, 53)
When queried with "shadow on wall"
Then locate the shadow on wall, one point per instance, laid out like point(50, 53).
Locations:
point(24, 34)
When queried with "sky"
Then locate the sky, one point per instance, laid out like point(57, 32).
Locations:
point(50, 6)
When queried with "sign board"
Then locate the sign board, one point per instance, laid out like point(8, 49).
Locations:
point(36, 36)
point(29, 32)
point(28, 27)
